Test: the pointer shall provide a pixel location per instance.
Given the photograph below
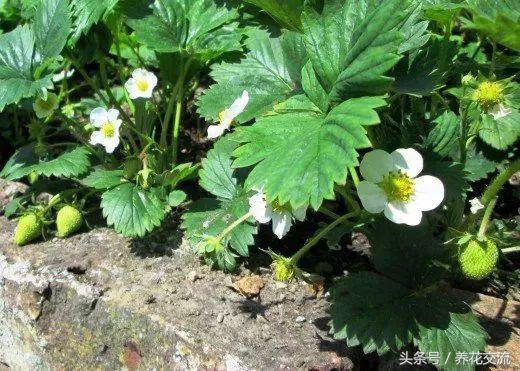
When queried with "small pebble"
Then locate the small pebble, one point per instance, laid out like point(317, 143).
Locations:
point(300, 319)
point(193, 276)
point(220, 317)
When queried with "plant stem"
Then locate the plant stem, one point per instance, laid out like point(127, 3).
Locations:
point(490, 195)
point(298, 255)
point(509, 250)
point(354, 175)
point(233, 225)
point(167, 117)
point(176, 128)
point(485, 220)
point(329, 213)
point(495, 186)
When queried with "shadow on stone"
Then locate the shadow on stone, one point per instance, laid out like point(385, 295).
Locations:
point(161, 242)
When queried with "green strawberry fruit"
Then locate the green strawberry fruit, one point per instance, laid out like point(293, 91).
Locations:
point(68, 221)
point(28, 229)
point(478, 259)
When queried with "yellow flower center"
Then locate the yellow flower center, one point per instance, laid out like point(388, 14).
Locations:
point(488, 94)
point(142, 85)
point(108, 130)
point(397, 186)
point(222, 115)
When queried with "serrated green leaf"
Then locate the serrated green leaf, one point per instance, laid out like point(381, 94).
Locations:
point(394, 246)
point(373, 51)
point(499, 19)
point(131, 210)
point(500, 133)
point(444, 136)
point(478, 166)
point(210, 217)
point(382, 315)
point(103, 179)
point(313, 89)
point(299, 155)
point(265, 73)
point(16, 167)
point(69, 164)
point(199, 28)
point(462, 334)
point(176, 197)
point(286, 12)
point(86, 13)
point(72, 163)
point(352, 44)
point(216, 175)
point(16, 63)
point(52, 27)
point(442, 11)
point(420, 73)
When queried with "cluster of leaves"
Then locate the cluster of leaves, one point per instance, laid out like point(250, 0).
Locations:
point(326, 80)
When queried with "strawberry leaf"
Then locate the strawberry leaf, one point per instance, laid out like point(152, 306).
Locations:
point(299, 154)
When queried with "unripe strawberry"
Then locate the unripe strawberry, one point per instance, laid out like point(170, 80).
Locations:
point(68, 221)
point(28, 229)
point(478, 259)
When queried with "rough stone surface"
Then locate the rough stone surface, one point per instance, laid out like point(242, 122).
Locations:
point(97, 300)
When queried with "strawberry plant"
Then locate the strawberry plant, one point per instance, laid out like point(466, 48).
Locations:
point(281, 128)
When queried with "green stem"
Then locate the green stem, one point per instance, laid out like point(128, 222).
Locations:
point(495, 186)
point(167, 117)
point(233, 225)
point(176, 128)
point(298, 255)
point(329, 213)
point(485, 220)
point(354, 175)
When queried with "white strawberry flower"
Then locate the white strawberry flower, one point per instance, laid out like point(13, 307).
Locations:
point(227, 116)
point(281, 215)
point(108, 123)
point(141, 84)
point(476, 205)
point(45, 107)
point(391, 186)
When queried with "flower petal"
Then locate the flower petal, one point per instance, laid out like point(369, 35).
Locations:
point(98, 116)
point(408, 160)
point(375, 165)
point(428, 193)
point(372, 197)
point(131, 88)
point(282, 223)
point(111, 144)
point(112, 115)
point(139, 73)
point(117, 124)
point(96, 138)
point(403, 213)
point(215, 131)
point(300, 213)
point(259, 208)
point(239, 104)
